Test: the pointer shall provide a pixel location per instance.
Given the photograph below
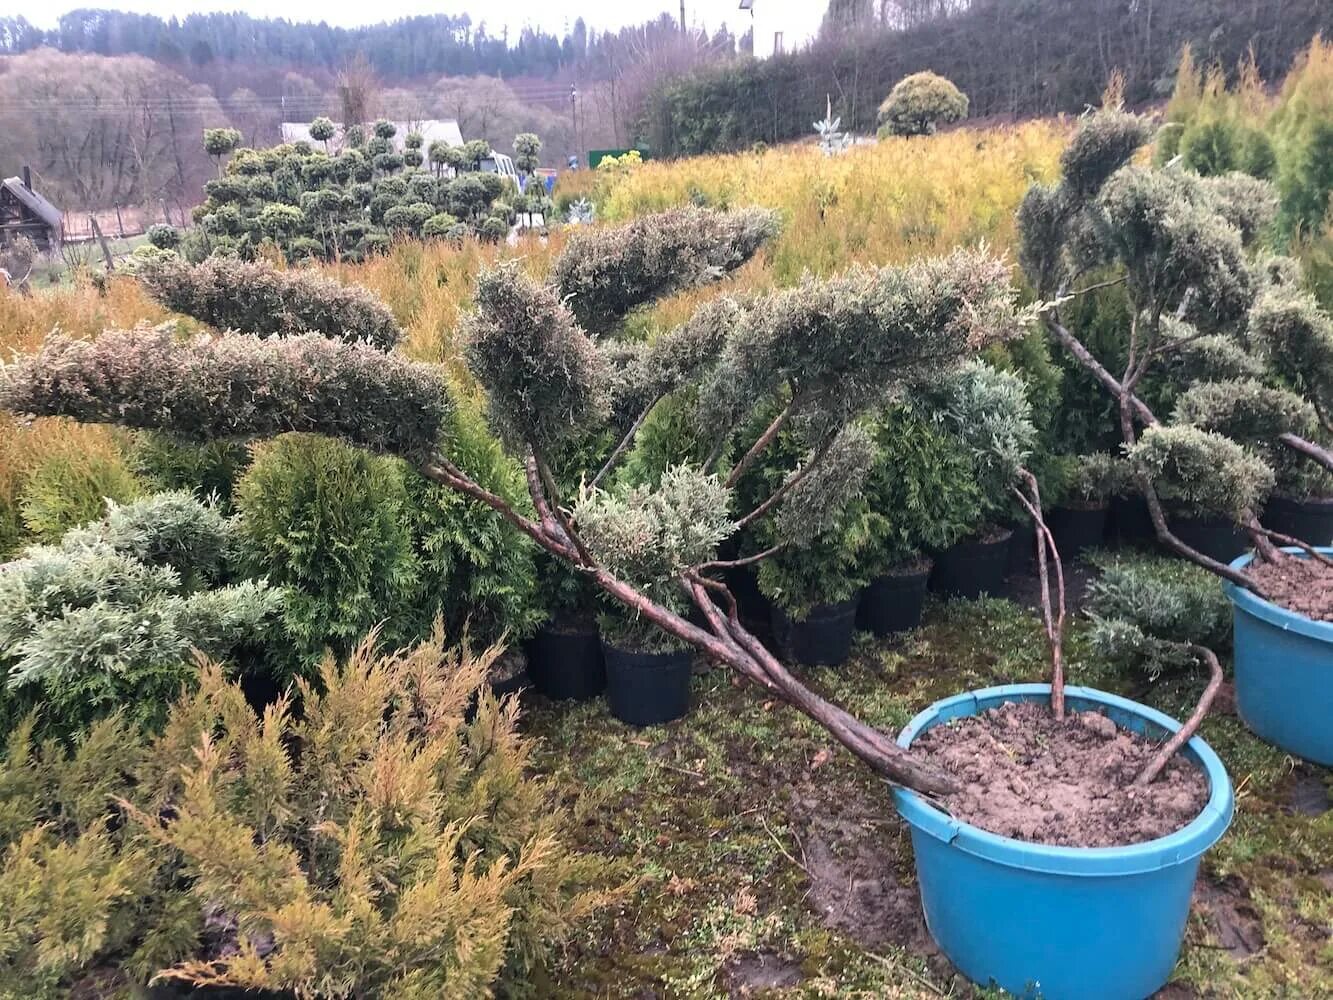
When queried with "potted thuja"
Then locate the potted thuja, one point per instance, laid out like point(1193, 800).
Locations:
point(809, 548)
point(922, 498)
point(988, 413)
point(1206, 300)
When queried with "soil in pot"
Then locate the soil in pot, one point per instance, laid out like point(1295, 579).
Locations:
point(892, 603)
point(1304, 586)
point(824, 638)
point(1026, 776)
point(1077, 528)
point(1309, 520)
point(565, 662)
point(1217, 537)
point(645, 689)
point(973, 568)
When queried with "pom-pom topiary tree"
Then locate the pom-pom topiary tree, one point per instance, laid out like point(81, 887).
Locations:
point(1244, 352)
point(568, 404)
point(919, 104)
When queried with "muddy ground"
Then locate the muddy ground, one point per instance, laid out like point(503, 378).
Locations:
point(771, 864)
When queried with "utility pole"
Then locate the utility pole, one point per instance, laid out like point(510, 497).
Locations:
point(682, 17)
point(574, 117)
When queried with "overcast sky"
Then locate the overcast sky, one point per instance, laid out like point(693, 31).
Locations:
point(553, 15)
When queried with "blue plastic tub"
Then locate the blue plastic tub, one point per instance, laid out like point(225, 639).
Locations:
point(1284, 673)
point(1061, 923)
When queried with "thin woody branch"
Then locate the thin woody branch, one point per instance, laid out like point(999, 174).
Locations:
point(1191, 726)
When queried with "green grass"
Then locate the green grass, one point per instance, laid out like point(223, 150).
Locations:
point(726, 813)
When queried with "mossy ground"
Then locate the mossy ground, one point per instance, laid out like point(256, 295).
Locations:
point(772, 864)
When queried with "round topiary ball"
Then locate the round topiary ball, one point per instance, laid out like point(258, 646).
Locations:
point(919, 104)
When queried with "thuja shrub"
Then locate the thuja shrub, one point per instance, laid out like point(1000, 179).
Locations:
point(255, 297)
point(68, 488)
point(107, 621)
point(208, 469)
point(1199, 472)
point(921, 491)
point(374, 845)
point(329, 524)
point(474, 569)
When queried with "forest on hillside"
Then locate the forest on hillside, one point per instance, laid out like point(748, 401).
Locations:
point(1013, 58)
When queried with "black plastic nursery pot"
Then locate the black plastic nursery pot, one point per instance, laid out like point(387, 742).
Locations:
point(1022, 548)
point(565, 664)
point(892, 603)
point(646, 689)
point(823, 638)
point(1309, 520)
point(973, 568)
point(1128, 522)
point(1076, 529)
point(1216, 537)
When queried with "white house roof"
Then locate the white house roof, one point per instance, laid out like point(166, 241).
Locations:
point(432, 130)
point(39, 206)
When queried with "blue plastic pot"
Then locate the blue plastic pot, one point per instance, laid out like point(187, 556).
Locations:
point(1284, 672)
point(1062, 923)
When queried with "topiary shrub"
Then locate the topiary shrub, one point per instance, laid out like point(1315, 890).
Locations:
point(257, 298)
point(163, 236)
point(107, 620)
point(328, 523)
point(374, 844)
point(919, 104)
point(631, 265)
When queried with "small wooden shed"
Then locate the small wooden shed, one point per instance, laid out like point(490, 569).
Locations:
point(24, 212)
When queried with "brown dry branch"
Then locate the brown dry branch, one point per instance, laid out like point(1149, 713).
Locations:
point(1191, 725)
point(1053, 619)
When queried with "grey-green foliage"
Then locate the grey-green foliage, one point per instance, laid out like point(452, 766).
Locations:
point(1144, 609)
point(849, 340)
point(546, 381)
point(1200, 473)
point(107, 620)
point(255, 297)
point(815, 504)
point(1289, 330)
point(604, 273)
point(1255, 415)
point(648, 535)
point(988, 410)
point(1102, 144)
point(234, 386)
point(1164, 228)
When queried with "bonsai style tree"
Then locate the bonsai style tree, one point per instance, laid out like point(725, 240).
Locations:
point(1250, 352)
point(322, 130)
point(527, 153)
point(568, 392)
point(1177, 243)
point(218, 142)
point(919, 104)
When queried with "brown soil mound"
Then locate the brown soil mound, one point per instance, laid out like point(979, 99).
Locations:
point(1025, 775)
point(1302, 585)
